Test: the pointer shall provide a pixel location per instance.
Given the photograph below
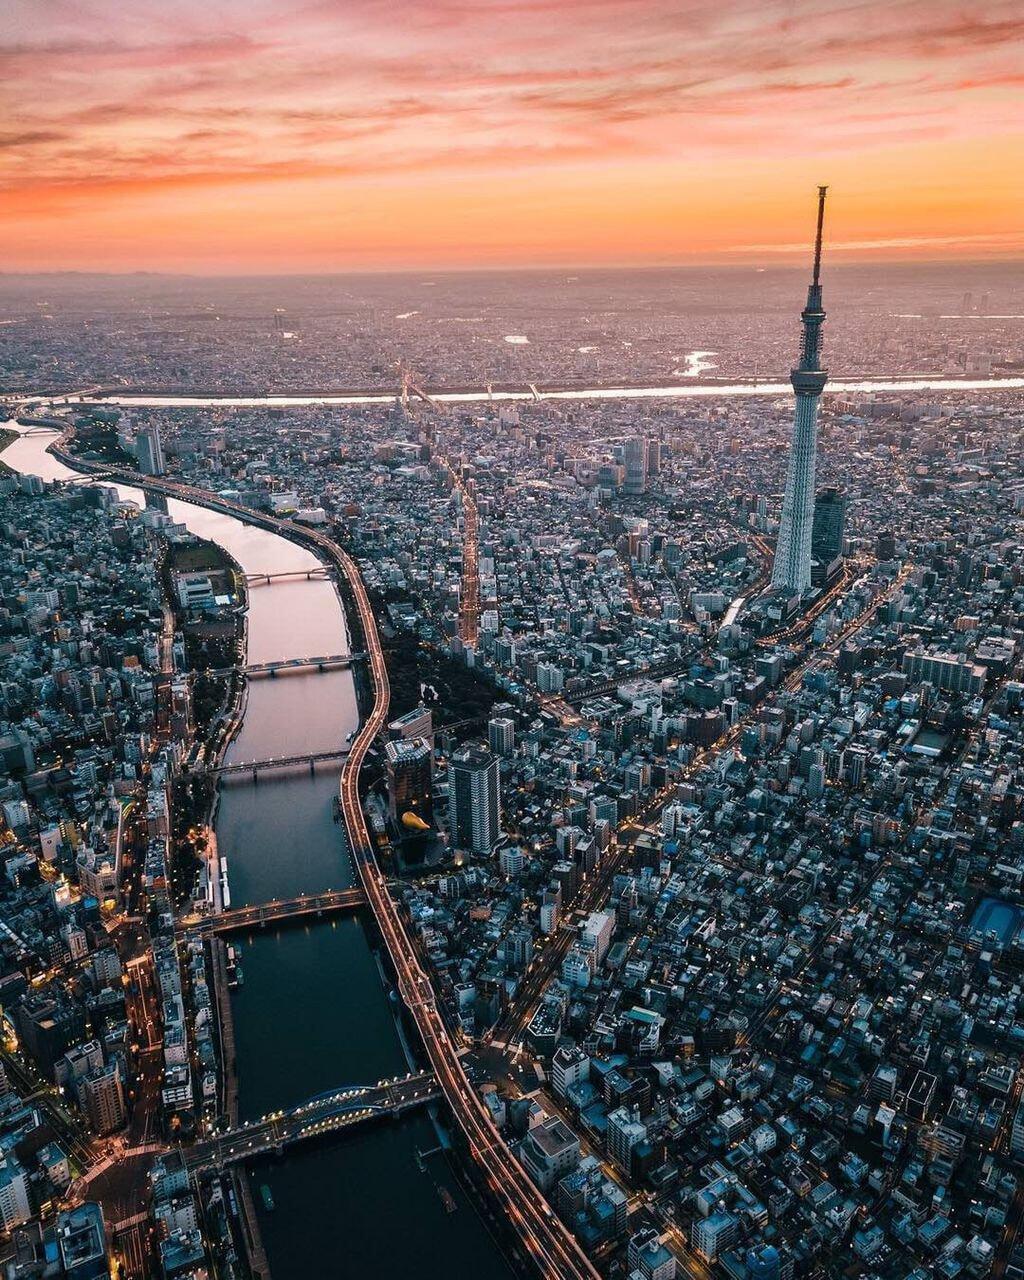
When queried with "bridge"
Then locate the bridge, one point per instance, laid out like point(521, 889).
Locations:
point(284, 911)
point(318, 573)
point(255, 767)
point(328, 1113)
point(323, 662)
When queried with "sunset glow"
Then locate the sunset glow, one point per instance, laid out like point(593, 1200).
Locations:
point(256, 136)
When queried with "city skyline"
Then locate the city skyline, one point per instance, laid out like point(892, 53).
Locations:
point(519, 133)
point(511, 731)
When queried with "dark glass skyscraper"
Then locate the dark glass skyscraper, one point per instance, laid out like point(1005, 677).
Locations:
point(827, 532)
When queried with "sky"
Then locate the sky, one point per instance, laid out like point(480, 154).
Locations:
point(242, 136)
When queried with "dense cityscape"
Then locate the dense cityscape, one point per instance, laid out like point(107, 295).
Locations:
point(512, 640)
point(593, 821)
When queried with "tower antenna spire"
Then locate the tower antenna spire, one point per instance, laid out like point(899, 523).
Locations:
point(817, 237)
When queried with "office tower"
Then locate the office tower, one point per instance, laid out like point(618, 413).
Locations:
point(635, 458)
point(827, 532)
point(885, 545)
point(501, 735)
point(149, 451)
point(654, 457)
point(410, 767)
point(792, 571)
point(475, 806)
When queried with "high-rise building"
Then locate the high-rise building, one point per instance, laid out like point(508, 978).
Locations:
point(475, 806)
point(102, 1097)
point(149, 450)
point(624, 1133)
point(48, 1028)
point(711, 1236)
point(569, 1066)
point(827, 532)
point(1017, 1133)
point(885, 545)
point(410, 768)
point(635, 458)
point(792, 570)
point(654, 457)
point(548, 1151)
point(501, 735)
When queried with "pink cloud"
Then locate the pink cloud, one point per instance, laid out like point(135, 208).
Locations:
point(371, 85)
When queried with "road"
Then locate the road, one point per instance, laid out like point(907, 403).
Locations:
point(469, 595)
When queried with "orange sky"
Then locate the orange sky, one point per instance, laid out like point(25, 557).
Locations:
point(317, 135)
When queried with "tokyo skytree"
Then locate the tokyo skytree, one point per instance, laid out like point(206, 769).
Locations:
point(792, 569)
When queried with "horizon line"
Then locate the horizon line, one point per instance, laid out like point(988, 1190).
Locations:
point(482, 269)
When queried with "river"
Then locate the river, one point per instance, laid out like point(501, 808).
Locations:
point(312, 1013)
point(860, 386)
